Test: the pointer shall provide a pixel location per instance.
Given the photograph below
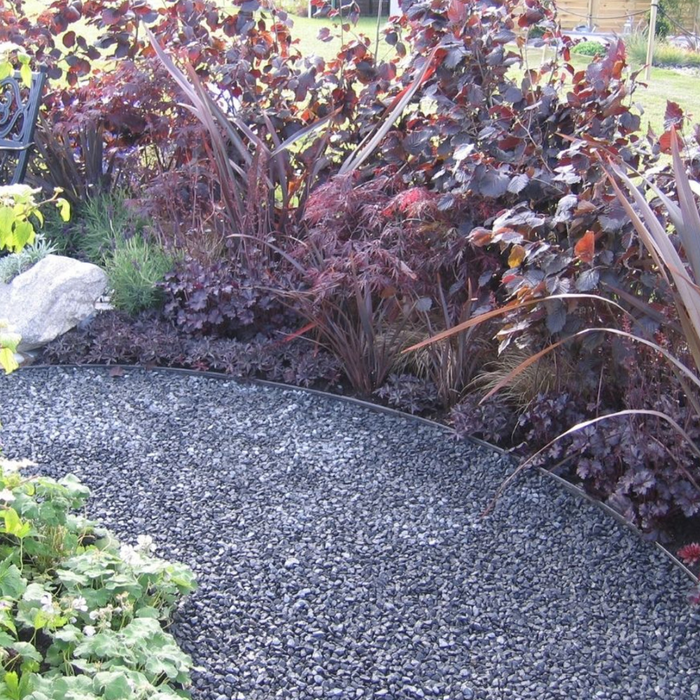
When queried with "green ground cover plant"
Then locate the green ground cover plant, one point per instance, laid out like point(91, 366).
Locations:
point(81, 614)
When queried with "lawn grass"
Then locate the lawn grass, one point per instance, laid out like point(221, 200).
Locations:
point(306, 32)
point(651, 98)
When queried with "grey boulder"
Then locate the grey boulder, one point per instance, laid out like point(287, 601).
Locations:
point(50, 298)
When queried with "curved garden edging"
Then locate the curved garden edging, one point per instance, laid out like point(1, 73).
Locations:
point(563, 483)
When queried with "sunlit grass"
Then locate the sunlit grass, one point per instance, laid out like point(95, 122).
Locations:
point(651, 99)
point(306, 32)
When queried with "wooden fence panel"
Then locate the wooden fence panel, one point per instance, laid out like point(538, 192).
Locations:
point(574, 12)
point(610, 16)
point(604, 15)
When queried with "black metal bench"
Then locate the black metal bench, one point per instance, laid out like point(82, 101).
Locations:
point(19, 107)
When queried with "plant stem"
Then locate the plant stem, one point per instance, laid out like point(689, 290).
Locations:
point(379, 20)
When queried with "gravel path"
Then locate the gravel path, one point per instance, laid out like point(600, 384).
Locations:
point(340, 552)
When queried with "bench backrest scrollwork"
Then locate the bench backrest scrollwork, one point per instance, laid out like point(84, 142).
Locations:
point(19, 108)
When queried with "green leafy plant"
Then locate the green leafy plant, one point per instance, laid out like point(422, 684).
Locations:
point(135, 268)
point(81, 615)
point(8, 347)
point(590, 48)
point(20, 211)
point(10, 56)
point(674, 17)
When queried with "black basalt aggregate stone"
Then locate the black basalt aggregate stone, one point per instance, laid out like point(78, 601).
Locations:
point(340, 551)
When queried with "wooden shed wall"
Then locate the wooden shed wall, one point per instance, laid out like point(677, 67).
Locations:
point(611, 15)
point(604, 15)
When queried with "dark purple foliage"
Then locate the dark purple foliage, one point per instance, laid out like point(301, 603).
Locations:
point(114, 338)
point(225, 298)
point(493, 420)
point(409, 393)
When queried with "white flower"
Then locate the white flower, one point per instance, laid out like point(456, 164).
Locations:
point(80, 604)
point(47, 603)
point(6, 495)
point(5, 605)
point(144, 543)
point(129, 555)
point(89, 631)
point(24, 193)
point(102, 615)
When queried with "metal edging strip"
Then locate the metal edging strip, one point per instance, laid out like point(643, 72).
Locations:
point(567, 486)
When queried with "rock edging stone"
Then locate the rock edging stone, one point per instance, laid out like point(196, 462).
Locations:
point(50, 298)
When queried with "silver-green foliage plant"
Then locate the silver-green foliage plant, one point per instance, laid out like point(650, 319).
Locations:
point(116, 238)
point(80, 614)
point(15, 264)
point(134, 270)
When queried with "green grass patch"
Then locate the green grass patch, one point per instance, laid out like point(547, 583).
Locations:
point(665, 55)
point(306, 31)
point(650, 98)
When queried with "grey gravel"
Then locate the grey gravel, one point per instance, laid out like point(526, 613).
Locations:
point(340, 552)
